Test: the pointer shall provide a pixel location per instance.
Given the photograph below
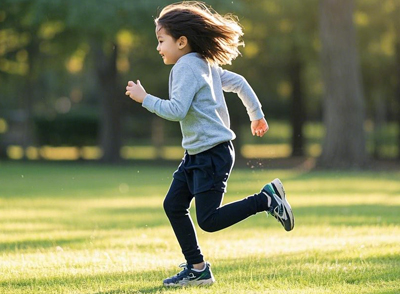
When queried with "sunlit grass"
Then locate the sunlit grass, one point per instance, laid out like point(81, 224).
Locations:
point(101, 229)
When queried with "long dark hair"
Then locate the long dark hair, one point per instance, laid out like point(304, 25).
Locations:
point(214, 36)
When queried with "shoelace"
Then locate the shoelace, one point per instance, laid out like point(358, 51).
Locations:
point(185, 268)
point(279, 210)
point(183, 265)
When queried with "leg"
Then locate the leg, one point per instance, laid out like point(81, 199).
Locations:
point(272, 199)
point(176, 206)
point(211, 216)
point(218, 162)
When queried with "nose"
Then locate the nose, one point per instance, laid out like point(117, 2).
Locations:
point(158, 47)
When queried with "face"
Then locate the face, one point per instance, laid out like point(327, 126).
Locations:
point(169, 48)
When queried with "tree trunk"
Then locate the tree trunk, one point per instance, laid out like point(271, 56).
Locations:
point(28, 96)
point(380, 121)
point(398, 93)
point(343, 108)
point(298, 115)
point(396, 23)
point(157, 135)
point(110, 123)
point(238, 118)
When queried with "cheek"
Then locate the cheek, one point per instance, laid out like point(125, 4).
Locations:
point(163, 47)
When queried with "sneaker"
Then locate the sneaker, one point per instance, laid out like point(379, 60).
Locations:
point(280, 208)
point(190, 277)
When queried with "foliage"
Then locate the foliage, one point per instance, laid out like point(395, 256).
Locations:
point(378, 31)
point(272, 28)
point(47, 50)
point(71, 129)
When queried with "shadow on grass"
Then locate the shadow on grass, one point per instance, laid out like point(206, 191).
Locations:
point(128, 217)
point(333, 215)
point(113, 283)
point(349, 215)
point(39, 244)
point(98, 218)
point(143, 290)
point(148, 217)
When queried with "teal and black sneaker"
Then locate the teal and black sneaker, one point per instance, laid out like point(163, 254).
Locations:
point(280, 207)
point(190, 277)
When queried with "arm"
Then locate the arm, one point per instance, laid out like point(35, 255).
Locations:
point(182, 90)
point(232, 82)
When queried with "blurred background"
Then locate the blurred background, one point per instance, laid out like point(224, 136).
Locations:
point(321, 69)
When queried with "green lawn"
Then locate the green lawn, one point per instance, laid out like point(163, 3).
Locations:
point(87, 228)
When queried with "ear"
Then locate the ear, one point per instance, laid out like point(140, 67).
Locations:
point(182, 42)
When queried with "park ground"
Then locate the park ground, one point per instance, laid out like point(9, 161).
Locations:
point(90, 228)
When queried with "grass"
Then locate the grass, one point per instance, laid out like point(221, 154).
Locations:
point(70, 228)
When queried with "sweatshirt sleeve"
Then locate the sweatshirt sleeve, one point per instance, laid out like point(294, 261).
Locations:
point(233, 82)
point(183, 87)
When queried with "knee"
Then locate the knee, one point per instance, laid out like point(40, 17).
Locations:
point(168, 207)
point(174, 209)
point(207, 225)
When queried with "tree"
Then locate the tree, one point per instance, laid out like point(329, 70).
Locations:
point(21, 24)
point(280, 55)
point(344, 144)
point(396, 24)
point(378, 31)
point(110, 125)
point(41, 40)
point(104, 52)
point(32, 17)
point(298, 116)
point(117, 16)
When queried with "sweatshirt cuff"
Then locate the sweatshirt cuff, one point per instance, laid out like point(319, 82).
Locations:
point(149, 102)
point(256, 115)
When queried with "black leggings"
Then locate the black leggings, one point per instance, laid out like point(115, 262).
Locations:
point(211, 216)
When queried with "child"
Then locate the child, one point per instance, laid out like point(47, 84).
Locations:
point(196, 40)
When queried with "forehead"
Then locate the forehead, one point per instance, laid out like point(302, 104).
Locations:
point(160, 31)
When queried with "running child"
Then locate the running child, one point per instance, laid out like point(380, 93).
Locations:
point(197, 40)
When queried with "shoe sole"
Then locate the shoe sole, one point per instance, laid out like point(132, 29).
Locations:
point(207, 282)
point(277, 184)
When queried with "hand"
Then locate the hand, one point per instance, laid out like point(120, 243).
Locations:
point(259, 127)
point(136, 91)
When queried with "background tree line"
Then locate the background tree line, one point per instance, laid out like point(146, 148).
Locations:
point(66, 64)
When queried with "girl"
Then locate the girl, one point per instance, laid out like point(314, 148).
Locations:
point(197, 40)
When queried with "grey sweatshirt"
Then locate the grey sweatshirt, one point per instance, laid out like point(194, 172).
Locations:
point(197, 101)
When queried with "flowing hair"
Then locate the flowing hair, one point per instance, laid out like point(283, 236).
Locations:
point(215, 37)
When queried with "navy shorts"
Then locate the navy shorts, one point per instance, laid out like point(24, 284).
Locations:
point(208, 170)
